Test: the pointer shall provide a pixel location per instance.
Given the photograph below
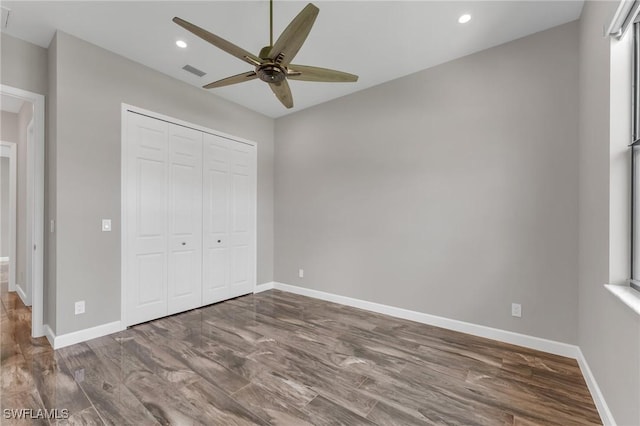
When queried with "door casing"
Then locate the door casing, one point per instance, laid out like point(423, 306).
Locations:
point(35, 207)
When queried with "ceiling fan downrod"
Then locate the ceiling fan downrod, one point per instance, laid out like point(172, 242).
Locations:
point(264, 52)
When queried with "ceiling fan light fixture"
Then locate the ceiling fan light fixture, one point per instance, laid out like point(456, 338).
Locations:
point(181, 44)
point(463, 19)
point(271, 73)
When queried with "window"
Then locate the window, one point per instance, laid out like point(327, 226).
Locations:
point(635, 161)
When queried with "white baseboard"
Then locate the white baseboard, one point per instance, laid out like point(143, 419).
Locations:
point(22, 294)
point(83, 335)
point(603, 409)
point(531, 342)
point(263, 287)
point(51, 336)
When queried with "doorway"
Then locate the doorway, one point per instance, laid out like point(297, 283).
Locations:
point(27, 264)
point(8, 188)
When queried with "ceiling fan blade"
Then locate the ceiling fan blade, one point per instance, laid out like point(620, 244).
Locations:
point(235, 79)
point(219, 42)
point(319, 74)
point(283, 93)
point(294, 35)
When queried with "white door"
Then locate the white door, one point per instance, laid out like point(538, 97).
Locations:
point(216, 209)
point(185, 219)
point(189, 218)
point(243, 219)
point(147, 218)
point(229, 218)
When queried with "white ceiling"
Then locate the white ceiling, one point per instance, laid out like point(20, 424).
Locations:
point(10, 104)
point(378, 40)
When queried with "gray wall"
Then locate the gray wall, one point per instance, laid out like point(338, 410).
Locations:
point(4, 207)
point(452, 191)
point(23, 65)
point(609, 332)
point(9, 127)
point(50, 171)
point(90, 84)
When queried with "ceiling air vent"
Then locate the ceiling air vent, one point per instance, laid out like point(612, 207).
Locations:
point(193, 70)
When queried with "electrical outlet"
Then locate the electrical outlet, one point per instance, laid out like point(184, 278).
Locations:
point(80, 307)
point(516, 310)
point(301, 273)
point(106, 225)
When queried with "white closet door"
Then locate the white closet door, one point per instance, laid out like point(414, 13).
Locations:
point(242, 249)
point(216, 209)
point(190, 218)
point(147, 218)
point(185, 219)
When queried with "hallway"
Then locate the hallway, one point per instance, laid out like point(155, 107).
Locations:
point(22, 359)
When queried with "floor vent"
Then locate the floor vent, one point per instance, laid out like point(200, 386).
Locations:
point(193, 70)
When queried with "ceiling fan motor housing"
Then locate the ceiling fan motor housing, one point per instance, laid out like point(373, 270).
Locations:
point(271, 73)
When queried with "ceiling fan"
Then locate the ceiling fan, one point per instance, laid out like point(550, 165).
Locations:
point(273, 63)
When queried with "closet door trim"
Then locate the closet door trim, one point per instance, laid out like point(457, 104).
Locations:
point(125, 110)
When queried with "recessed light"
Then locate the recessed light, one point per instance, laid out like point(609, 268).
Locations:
point(181, 44)
point(464, 18)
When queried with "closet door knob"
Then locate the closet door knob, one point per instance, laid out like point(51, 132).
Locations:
point(219, 241)
point(184, 244)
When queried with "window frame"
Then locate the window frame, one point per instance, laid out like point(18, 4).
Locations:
point(635, 149)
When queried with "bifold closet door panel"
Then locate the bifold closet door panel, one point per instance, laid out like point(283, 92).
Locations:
point(242, 232)
point(216, 210)
point(189, 218)
point(147, 218)
point(229, 217)
point(185, 219)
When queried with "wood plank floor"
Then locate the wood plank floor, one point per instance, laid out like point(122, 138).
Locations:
point(279, 358)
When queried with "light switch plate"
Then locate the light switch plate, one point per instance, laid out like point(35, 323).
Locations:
point(106, 225)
